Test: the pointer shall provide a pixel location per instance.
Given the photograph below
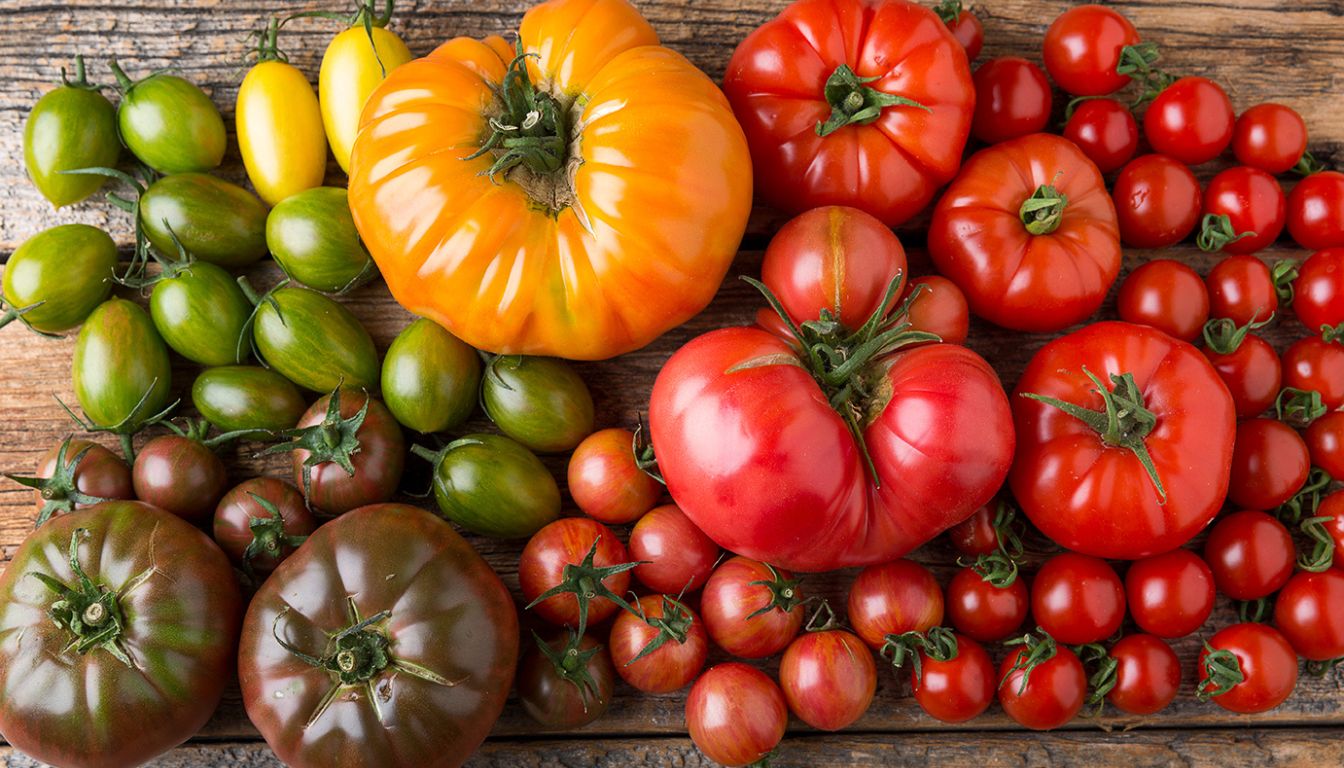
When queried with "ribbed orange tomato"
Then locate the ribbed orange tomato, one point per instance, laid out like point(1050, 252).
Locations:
point(577, 200)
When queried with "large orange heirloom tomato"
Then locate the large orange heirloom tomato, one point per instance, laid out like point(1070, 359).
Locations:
point(577, 199)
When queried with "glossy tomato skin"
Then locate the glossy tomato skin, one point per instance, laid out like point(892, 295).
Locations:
point(673, 665)
point(1319, 290)
point(1106, 131)
point(120, 367)
point(1270, 464)
point(1266, 660)
point(72, 126)
point(733, 593)
point(431, 379)
point(101, 474)
point(1332, 507)
point(1250, 555)
point(554, 702)
point(1167, 295)
point(1316, 211)
point(313, 238)
point(1254, 203)
point(892, 599)
point(1170, 595)
point(976, 535)
point(1082, 50)
point(170, 124)
point(1157, 201)
point(968, 31)
point(180, 610)
point(378, 463)
point(958, 689)
point(890, 168)
point(244, 397)
point(235, 512)
point(1147, 675)
point(1050, 696)
point(279, 126)
point(828, 678)
point(983, 611)
point(1313, 364)
point(1011, 277)
point(1241, 288)
point(1251, 374)
point(1078, 599)
point(315, 341)
point(448, 615)
point(1122, 515)
point(202, 314)
point(605, 481)
point(1270, 137)
point(673, 555)
point(355, 62)
point(62, 274)
point(940, 308)
point(215, 220)
point(736, 714)
point(567, 541)
point(541, 402)
point(180, 475)
point(1307, 612)
point(1325, 442)
point(493, 486)
point(1191, 120)
point(1012, 99)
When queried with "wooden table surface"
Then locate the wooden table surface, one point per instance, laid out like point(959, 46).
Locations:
point(1258, 49)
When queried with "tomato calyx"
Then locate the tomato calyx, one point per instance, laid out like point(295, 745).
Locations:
point(1038, 650)
point(90, 612)
point(1103, 668)
point(642, 448)
point(675, 624)
point(938, 643)
point(364, 15)
point(1322, 554)
point(60, 492)
point(1222, 673)
point(784, 593)
point(334, 440)
point(134, 421)
point(585, 581)
point(1216, 232)
point(269, 538)
point(571, 665)
point(198, 430)
point(1299, 407)
point(1308, 164)
point(1307, 500)
point(268, 48)
point(1223, 336)
point(1124, 423)
point(1137, 62)
point(949, 11)
point(854, 102)
point(1257, 611)
point(1000, 567)
point(1043, 212)
point(81, 81)
point(1284, 274)
point(1332, 334)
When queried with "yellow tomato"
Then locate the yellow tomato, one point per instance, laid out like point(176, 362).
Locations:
point(350, 71)
point(280, 131)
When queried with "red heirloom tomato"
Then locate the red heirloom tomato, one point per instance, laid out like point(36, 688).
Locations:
point(1167, 295)
point(957, 688)
point(940, 308)
point(1269, 465)
point(580, 567)
point(751, 609)
point(1316, 211)
point(828, 678)
point(348, 452)
point(1028, 232)
point(1012, 99)
point(892, 599)
point(1314, 364)
point(1190, 120)
point(1157, 201)
point(1250, 555)
point(1077, 599)
point(1241, 289)
point(605, 481)
point(1105, 130)
point(1170, 595)
point(1308, 612)
point(852, 102)
point(1042, 684)
point(260, 522)
point(1325, 441)
point(565, 684)
point(1247, 668)
point(1270, 137)
point(1319, 290)
point(1143, 480)
point(1247, 364)
point(661, 652)
point(964, 25)
point(673, 555)
point(984, 611)
point(1084, 48)
point(1254, 207)
point(736, 714)
point(1147, 675)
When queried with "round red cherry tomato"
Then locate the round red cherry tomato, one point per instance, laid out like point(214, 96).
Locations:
point(1313, 364)
point(1309, 611)
point(1166, 295)
point(985, 612)
point(1170, 595)
point(964, 26)
point(1250, 554)
point(1269, 464)
point(1147, 674)
point(736, 714)
point(1157, 201)
point(1316, 211)
point(976, 535)
point(568, 542)
point(673, 555)
point(1083, 49)
point(1270, 137)
point(1319, 290)
point(1105, 130)
point(1256, 653)
point(957, 689)
point(1325, 443)
point(1012, 99)
point(734, 594)
point(1047, 694)
point(1078, 599)
point(940, 308)
point(1241, 289)
point(1332, 508)
point(1191, 120)
point(892, 599)
point(828, 678)
point(1255, 208)
point(661, 652)
point(606, 482)
point(1251, 372)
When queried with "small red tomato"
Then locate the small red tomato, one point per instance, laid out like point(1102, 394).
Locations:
point(1078, 599)
point(1166, 295)
point(1012, 99)
point(1046, 695)
point(964, 26)
point(1106, 131)
point(181, 475)
point(584, 562)
point(661, 652)
point(1255, 208)
point(260, 522)
point(1325, 443)
point(1332, 509)
point(1316, 211)
point(985, 612)
point(1319, 290)
point(674, 556)
point(1313, 364)
point(1269, 464)
point(1191, 120)
point(1247, 668)
point(976, 535)
point(1147, 675)
point(940, 308)
point(1270, 137)
point(828, 678)
point(892, 599)
point(373, 445)
point(75, 474)
point(1250, 370)
point(954, 689)
point(750, 609)
point(1083, 48)
point(1157, 201)
point(1250, 554)
point(1309, 611)
point(1170, 595)
point(606, 482)
point(1241, 289)
point(736, 714)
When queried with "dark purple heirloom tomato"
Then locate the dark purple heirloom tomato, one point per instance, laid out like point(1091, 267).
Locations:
point(260, 522)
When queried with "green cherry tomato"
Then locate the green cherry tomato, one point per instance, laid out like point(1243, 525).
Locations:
point(202, 313)
point(313, 237)
point(119, 357)
point(491, 485)
point(169, 123)
point(246, 397)
point(63, 273)
point(72, 126)
point(430, 378)
point(314, 341)
point(539, 401)
point(216, 221)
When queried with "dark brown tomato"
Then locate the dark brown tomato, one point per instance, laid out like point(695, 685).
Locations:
point(180, 475)
point(378, 463)
point(253, 536)
point(100, 474)
point(570, 690)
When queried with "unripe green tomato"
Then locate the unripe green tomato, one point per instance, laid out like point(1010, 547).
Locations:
point(314, 341)
point(202, 313)
point(65, 271)
point(313, 238)
point(119, 357)
point(72, 126)
point(246, 397)
point(430, 378)
point(539, 401)
point(169, 123)
point(493, 486)
point(215, 221)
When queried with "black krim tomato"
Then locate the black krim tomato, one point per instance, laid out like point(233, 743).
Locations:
point(539, 401)
point(117, 636)
point(431, 378)
point(72, 126)
point(260, 522)
point(385, 641)
point(493, 486)
point(314, 341)
point(57, 277)
point(348, 452)
point(565, 681)
point(245, 397)
point(169, 123)
point(74, 475)
point(120, 370)
point(199, 310)
point(216, 221)
point(181, 473)
point(313, 238)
